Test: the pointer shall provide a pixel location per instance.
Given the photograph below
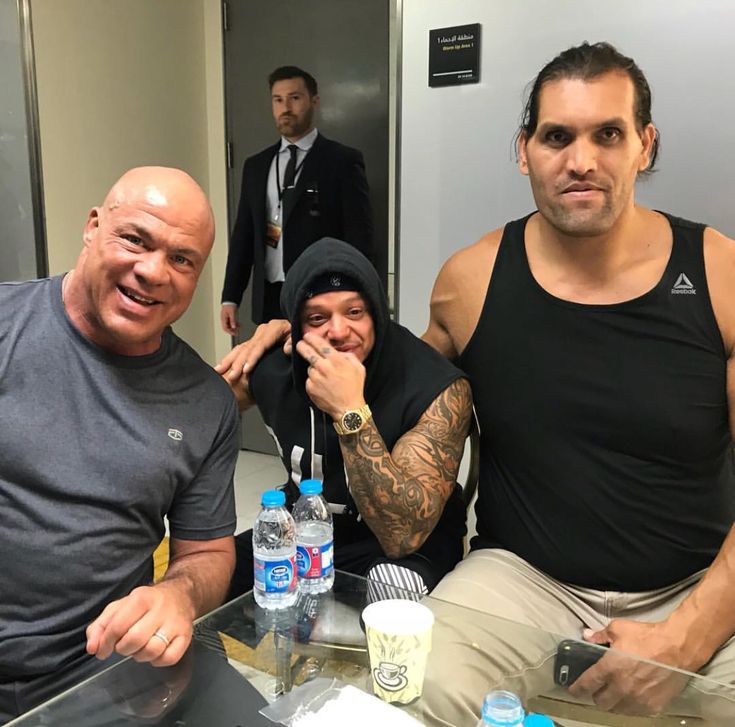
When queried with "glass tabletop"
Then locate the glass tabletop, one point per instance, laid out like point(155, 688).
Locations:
point(243, 657)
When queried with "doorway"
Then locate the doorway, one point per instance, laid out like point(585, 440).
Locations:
point(345, 45)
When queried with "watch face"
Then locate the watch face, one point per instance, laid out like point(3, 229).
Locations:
point(352, 421)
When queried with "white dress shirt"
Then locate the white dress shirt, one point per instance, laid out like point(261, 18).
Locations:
point(274, 255)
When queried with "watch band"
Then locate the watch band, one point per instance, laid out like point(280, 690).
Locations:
point(353, 420)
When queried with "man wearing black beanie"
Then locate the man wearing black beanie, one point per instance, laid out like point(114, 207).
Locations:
point(371, 410)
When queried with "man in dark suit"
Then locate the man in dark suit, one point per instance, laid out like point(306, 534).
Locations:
point(293, 193)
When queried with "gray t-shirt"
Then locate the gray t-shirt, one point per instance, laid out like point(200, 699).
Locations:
point(95, 449)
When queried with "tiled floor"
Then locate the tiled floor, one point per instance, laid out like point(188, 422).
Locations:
point(254, 473)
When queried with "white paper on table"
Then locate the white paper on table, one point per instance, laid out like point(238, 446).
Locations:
point(356, 709)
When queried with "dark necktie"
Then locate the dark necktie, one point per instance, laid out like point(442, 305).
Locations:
point(290, 173)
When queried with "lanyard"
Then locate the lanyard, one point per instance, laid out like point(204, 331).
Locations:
point(278, 173)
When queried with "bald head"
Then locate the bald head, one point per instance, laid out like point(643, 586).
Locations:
point(164, 188)
point(144, 250)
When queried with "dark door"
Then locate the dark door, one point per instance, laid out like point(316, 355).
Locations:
point(344, 44)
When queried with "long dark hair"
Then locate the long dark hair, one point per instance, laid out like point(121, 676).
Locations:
point(585, 62)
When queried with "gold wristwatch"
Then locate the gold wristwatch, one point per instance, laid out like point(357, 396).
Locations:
point(353, 420)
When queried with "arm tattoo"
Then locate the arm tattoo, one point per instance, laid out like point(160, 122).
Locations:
point(402, 494)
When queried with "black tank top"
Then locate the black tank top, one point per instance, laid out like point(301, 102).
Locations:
point(606, 455)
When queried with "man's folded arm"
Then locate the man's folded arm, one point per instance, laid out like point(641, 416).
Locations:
point(401, 494)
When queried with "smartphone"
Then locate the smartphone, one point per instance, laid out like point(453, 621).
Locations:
point(572, 659)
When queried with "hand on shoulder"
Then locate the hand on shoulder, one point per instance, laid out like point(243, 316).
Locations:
point(241, 360)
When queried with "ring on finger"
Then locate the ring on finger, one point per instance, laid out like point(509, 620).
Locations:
point(162, 637)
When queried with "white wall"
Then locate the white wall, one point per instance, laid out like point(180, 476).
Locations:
point(458, 177)
point(122, 84)
point(217, 168)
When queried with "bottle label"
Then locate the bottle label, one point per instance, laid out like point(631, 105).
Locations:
point(315, 561)
point(275, 576)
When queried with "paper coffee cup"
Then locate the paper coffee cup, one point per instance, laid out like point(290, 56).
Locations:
point(399, 640)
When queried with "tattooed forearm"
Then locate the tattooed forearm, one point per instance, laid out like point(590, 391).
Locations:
point(401, 494)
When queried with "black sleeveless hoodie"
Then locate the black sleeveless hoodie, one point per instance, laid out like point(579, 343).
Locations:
point(404, 375)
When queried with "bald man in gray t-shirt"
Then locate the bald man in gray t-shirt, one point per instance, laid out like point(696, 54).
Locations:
point(109, 423)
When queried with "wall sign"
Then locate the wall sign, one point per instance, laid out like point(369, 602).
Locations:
point(454, 55)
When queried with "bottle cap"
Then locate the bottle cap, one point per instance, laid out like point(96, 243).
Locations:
point(311, 487)
point(502, 709)
point(273, 498)
point(538, 720)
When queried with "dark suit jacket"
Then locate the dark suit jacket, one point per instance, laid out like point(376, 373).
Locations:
point(330, 199)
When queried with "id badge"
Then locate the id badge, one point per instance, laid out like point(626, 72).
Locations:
point(272, 234)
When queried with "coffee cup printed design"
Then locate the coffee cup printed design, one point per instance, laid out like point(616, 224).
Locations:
point(399, 640)
point(390, 676)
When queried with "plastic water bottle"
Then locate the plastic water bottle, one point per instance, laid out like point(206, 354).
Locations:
point(274, 553)
point(504, 709)
point(501, 709)
point(314, 539)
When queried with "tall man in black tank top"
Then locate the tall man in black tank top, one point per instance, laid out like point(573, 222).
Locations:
point(598, 336)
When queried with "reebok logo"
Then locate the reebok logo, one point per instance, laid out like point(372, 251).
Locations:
point(175, 434)
point(683, 286)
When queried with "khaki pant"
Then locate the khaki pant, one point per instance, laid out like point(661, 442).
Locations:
point(472, 653)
